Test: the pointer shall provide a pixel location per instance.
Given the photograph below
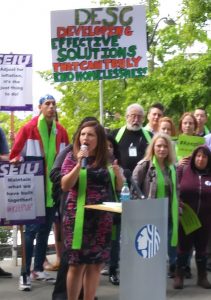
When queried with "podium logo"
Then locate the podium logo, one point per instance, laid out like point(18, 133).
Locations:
point(147, 241)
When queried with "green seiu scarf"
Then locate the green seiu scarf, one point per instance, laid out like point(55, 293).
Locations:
point(162, 194)
point(49, 146)
point(80, 209)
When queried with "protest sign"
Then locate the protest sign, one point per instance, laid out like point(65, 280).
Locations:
point(22, 192)
point(187, 144)
point(99, 43)
point(16, 82)
point(189, 219)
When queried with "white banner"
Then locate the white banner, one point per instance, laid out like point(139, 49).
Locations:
point(16, 82)
point(19, 197)
point(99, 43)
point(22, 192)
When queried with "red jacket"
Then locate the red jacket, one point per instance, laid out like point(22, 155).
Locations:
point(28, 142)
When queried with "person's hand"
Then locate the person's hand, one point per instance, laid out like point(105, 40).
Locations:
point(4, 157)
point(184, 161)
point(16, 160)
point(116, 168)
point(81, 154)
point(181, 205)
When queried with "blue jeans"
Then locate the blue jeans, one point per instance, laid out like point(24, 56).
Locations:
point(40, 232)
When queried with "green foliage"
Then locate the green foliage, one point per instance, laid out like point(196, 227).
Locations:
point(6, 124)
point(181, 85)
point(197, 11)
point(5, 234)
point(179, 81)
point(82, 99)
point(196, 14)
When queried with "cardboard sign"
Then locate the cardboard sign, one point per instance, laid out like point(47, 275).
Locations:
point(187, 144)
point(16, 82)
point(189, 220)
point(22, 192)
point(99, 43)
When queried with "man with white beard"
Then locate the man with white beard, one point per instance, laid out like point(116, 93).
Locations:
point(132, 138)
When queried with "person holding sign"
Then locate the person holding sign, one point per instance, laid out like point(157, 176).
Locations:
point(4, 155)
point(187, 127)
point(42, 137)
point(195, 223)
point(87, 233)
point(187, 142)
point(156, 177)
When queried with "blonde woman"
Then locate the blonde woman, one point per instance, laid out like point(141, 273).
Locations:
point(156, 177)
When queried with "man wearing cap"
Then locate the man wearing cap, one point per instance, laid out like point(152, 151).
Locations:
point(41, 137)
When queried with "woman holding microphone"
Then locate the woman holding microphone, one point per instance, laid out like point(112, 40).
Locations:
point(87, 233)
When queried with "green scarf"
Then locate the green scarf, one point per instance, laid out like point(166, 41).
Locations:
point(49, 146)
point(79, 217)
point(122, 130)
point(80, 210)
point(206, 130)
point(161, 194)
point(112, 176)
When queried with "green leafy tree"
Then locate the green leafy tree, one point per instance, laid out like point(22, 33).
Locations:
point(179, 89)
point(8, 125)
point(181, 82)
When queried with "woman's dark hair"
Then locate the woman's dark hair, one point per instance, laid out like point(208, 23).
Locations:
point(86, 119)
point(157, 105)
point(101, 154)
point(205, 150)
point(112, 140)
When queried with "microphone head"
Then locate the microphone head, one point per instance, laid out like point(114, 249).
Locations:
point(84, 159)
point(84, 147)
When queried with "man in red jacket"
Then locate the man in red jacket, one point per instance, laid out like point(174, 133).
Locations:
point(41, 137)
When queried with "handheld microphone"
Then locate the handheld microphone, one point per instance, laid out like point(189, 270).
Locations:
point(84, 159)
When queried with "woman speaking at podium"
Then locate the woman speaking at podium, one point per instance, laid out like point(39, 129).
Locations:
point(87, 233)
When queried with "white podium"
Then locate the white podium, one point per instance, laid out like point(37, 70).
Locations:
point(143, 249)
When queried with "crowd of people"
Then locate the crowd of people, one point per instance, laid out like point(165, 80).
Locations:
point(92, 170)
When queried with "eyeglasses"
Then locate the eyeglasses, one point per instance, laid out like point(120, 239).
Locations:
point(133, 116)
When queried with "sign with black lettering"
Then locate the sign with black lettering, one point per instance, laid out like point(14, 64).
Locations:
point(99, 43)
point(186, 144)
point(16, 82)
point(22, 192)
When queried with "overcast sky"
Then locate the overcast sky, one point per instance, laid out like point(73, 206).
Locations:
point(25, 28)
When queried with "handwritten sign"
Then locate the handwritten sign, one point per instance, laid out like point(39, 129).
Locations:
point(22, 192)
point(20, 197)
point(189, 220)
point(99, 43)
point(187, 144)
point(16, 82)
